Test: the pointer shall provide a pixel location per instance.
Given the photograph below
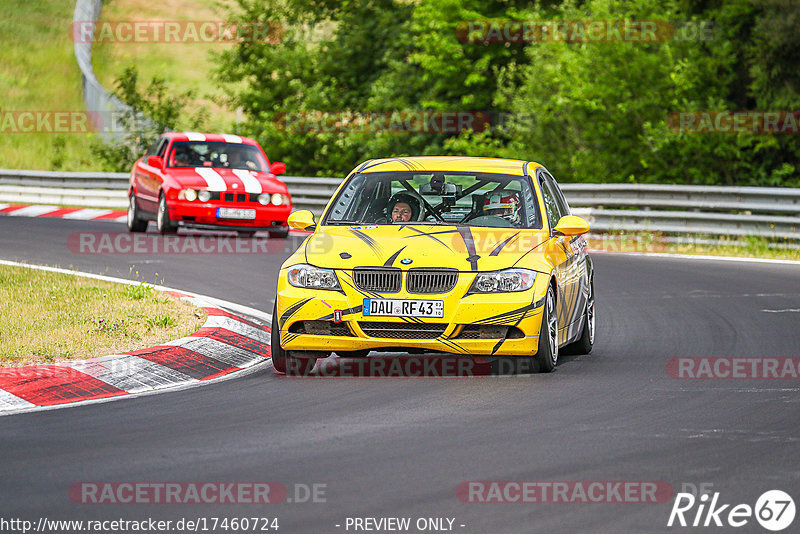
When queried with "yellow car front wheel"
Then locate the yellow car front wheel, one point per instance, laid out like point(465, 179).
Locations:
point(547, 355)
point(282, 361)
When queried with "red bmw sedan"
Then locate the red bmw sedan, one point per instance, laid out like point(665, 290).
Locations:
point(209, 181)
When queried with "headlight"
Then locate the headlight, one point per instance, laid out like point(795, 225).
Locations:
point(188, 194)
point(204, 196)
point(312, 277)
point(263, 199)
point(277, 199)
point(505, 281)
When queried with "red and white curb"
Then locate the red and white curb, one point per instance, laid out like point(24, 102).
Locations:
point(78, 214)
point(234, 339)
point(81, 214)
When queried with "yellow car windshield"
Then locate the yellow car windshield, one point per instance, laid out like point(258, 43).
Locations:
point(453, 199)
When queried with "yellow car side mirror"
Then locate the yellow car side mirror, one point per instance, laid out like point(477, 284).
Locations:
point(302, 220)
point(571, 225)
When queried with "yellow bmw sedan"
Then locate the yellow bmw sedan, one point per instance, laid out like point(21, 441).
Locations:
point(457, 255)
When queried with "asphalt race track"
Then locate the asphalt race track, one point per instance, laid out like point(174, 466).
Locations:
point(401, 447)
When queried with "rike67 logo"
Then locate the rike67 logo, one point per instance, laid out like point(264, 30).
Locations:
point(774, 510)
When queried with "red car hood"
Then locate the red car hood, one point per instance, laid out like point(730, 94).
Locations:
point(238, 180)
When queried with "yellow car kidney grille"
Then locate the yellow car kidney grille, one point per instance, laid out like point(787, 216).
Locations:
point(386, 280)
point(431, 280)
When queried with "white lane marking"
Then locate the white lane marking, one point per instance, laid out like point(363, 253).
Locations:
point(214, 181)
point(251, 183)
point(177, 387)
point(86, 214)
point(130, 373)
point(33, 211)
point(698, 257)
point(239, 327)
point(787, 310)
point(250, 361)
point(202, 300)
point(194, 136)
point(9, 401)
point(231, 138)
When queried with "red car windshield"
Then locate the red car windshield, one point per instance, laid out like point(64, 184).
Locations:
point(217, 155)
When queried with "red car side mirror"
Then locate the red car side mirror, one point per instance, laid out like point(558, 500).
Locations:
point(155, 161)
point(277, 167)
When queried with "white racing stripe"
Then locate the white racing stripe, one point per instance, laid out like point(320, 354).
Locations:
point(213, 179)
point(194, 136)
point(251, 183)
point(231, 138)
point(33, 211)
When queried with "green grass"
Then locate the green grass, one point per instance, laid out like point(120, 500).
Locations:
point(39, 72)
point(185, 66)
point(47, 317)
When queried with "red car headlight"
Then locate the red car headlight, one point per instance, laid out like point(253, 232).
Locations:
point(187, 194)
point(275, 199)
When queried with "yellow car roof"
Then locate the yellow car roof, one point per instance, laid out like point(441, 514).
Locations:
point(448, 163)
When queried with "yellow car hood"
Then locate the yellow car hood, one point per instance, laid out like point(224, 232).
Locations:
point(462, 248)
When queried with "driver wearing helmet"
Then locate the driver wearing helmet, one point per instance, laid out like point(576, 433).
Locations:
point(237, 159)
point(181, 158)
point(403, 207)
point(503, 204)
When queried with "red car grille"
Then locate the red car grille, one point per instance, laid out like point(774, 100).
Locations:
point(235, 197)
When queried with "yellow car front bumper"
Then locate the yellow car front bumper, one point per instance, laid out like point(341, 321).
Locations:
point(500, 324)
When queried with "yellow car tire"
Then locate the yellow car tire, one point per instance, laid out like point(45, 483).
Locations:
point(547, 356)
point(586, 341)
point(283, 361)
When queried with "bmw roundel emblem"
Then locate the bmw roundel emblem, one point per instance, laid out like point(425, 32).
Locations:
point(406, 261)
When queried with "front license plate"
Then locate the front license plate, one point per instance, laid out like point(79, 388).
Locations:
point(236, 213)
point(403, 308)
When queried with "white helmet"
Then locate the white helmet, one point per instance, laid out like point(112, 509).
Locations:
point(503, 204)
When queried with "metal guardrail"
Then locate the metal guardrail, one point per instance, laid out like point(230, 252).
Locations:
point(106, 107)
point(670, 209)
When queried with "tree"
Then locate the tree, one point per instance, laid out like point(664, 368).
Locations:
point(152, 111)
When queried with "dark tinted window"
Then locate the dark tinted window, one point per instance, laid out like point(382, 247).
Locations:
point(216, 155)
point(455, 198)
point(550, 205)
point(563, 206)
